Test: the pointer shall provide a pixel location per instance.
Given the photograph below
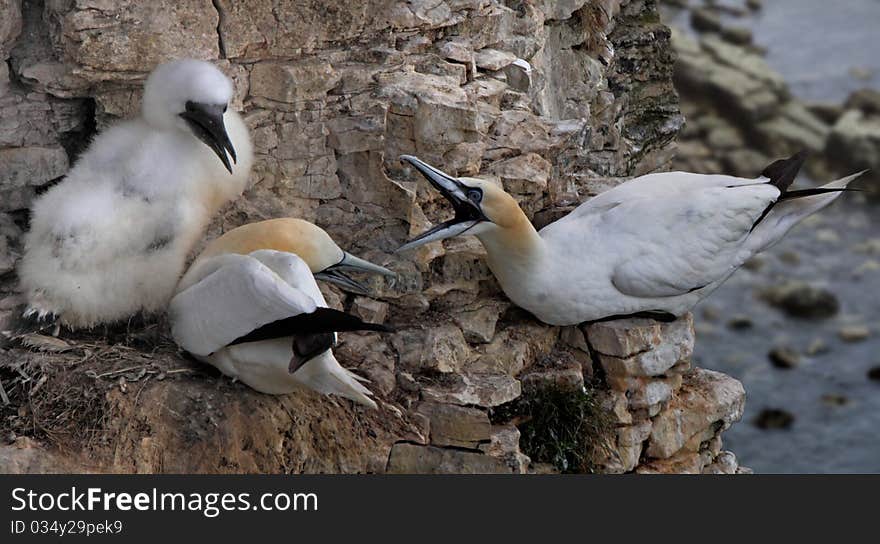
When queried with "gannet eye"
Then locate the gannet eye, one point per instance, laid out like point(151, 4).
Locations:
point(475, 195)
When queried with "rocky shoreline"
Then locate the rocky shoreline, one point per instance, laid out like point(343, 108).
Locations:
point(742, 116)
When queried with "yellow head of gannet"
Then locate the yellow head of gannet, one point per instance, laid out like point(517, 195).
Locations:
point(309, 242)
point(481, 209)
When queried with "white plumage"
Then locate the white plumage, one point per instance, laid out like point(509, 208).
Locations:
point(231, 296)
point(232, 290)
point(657, 243)
point(111, 239)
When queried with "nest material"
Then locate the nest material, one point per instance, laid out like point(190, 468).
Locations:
point(56, 388)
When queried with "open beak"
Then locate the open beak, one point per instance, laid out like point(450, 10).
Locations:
point(467, 214)
point(206, 122)
point(336, 274)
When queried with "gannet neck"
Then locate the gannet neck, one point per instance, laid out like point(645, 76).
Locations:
point(513, 251)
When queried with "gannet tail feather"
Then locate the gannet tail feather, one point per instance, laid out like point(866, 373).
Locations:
point(782, 173)
point(789, 211)
point(325, 375)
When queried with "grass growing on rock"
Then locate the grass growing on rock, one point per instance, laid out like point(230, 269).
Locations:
point(565, 427)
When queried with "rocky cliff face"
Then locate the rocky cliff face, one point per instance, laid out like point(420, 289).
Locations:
point(555, 100)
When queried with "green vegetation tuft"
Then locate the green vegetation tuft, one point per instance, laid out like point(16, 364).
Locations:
point(564, 427)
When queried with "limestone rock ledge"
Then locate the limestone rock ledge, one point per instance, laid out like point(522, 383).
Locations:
point(667, 416)
point(670, 416)
point(556, 101)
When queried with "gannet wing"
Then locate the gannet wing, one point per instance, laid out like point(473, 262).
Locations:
point(237, 294)
point(683, 241)
point(234, 299)
point(665, 185)
point(660, 185)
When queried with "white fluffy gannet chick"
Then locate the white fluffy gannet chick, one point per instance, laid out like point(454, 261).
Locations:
point(249, 305)
point(653, 246)
point(112, 237)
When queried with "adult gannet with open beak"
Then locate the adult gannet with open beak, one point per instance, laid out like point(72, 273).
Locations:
point(653, 246)
point(249, 305)
point(111, 239)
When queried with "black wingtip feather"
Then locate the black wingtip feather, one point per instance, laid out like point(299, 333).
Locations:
point(320, 321)
point(782, 172)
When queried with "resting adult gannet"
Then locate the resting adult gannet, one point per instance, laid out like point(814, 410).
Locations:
point(249, 305)
point(653, 246)
point(311, 243)
point(112, 237)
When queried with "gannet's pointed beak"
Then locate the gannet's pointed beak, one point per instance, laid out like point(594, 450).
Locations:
point(206, 122)
point(335, 274)
point(467, 212)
